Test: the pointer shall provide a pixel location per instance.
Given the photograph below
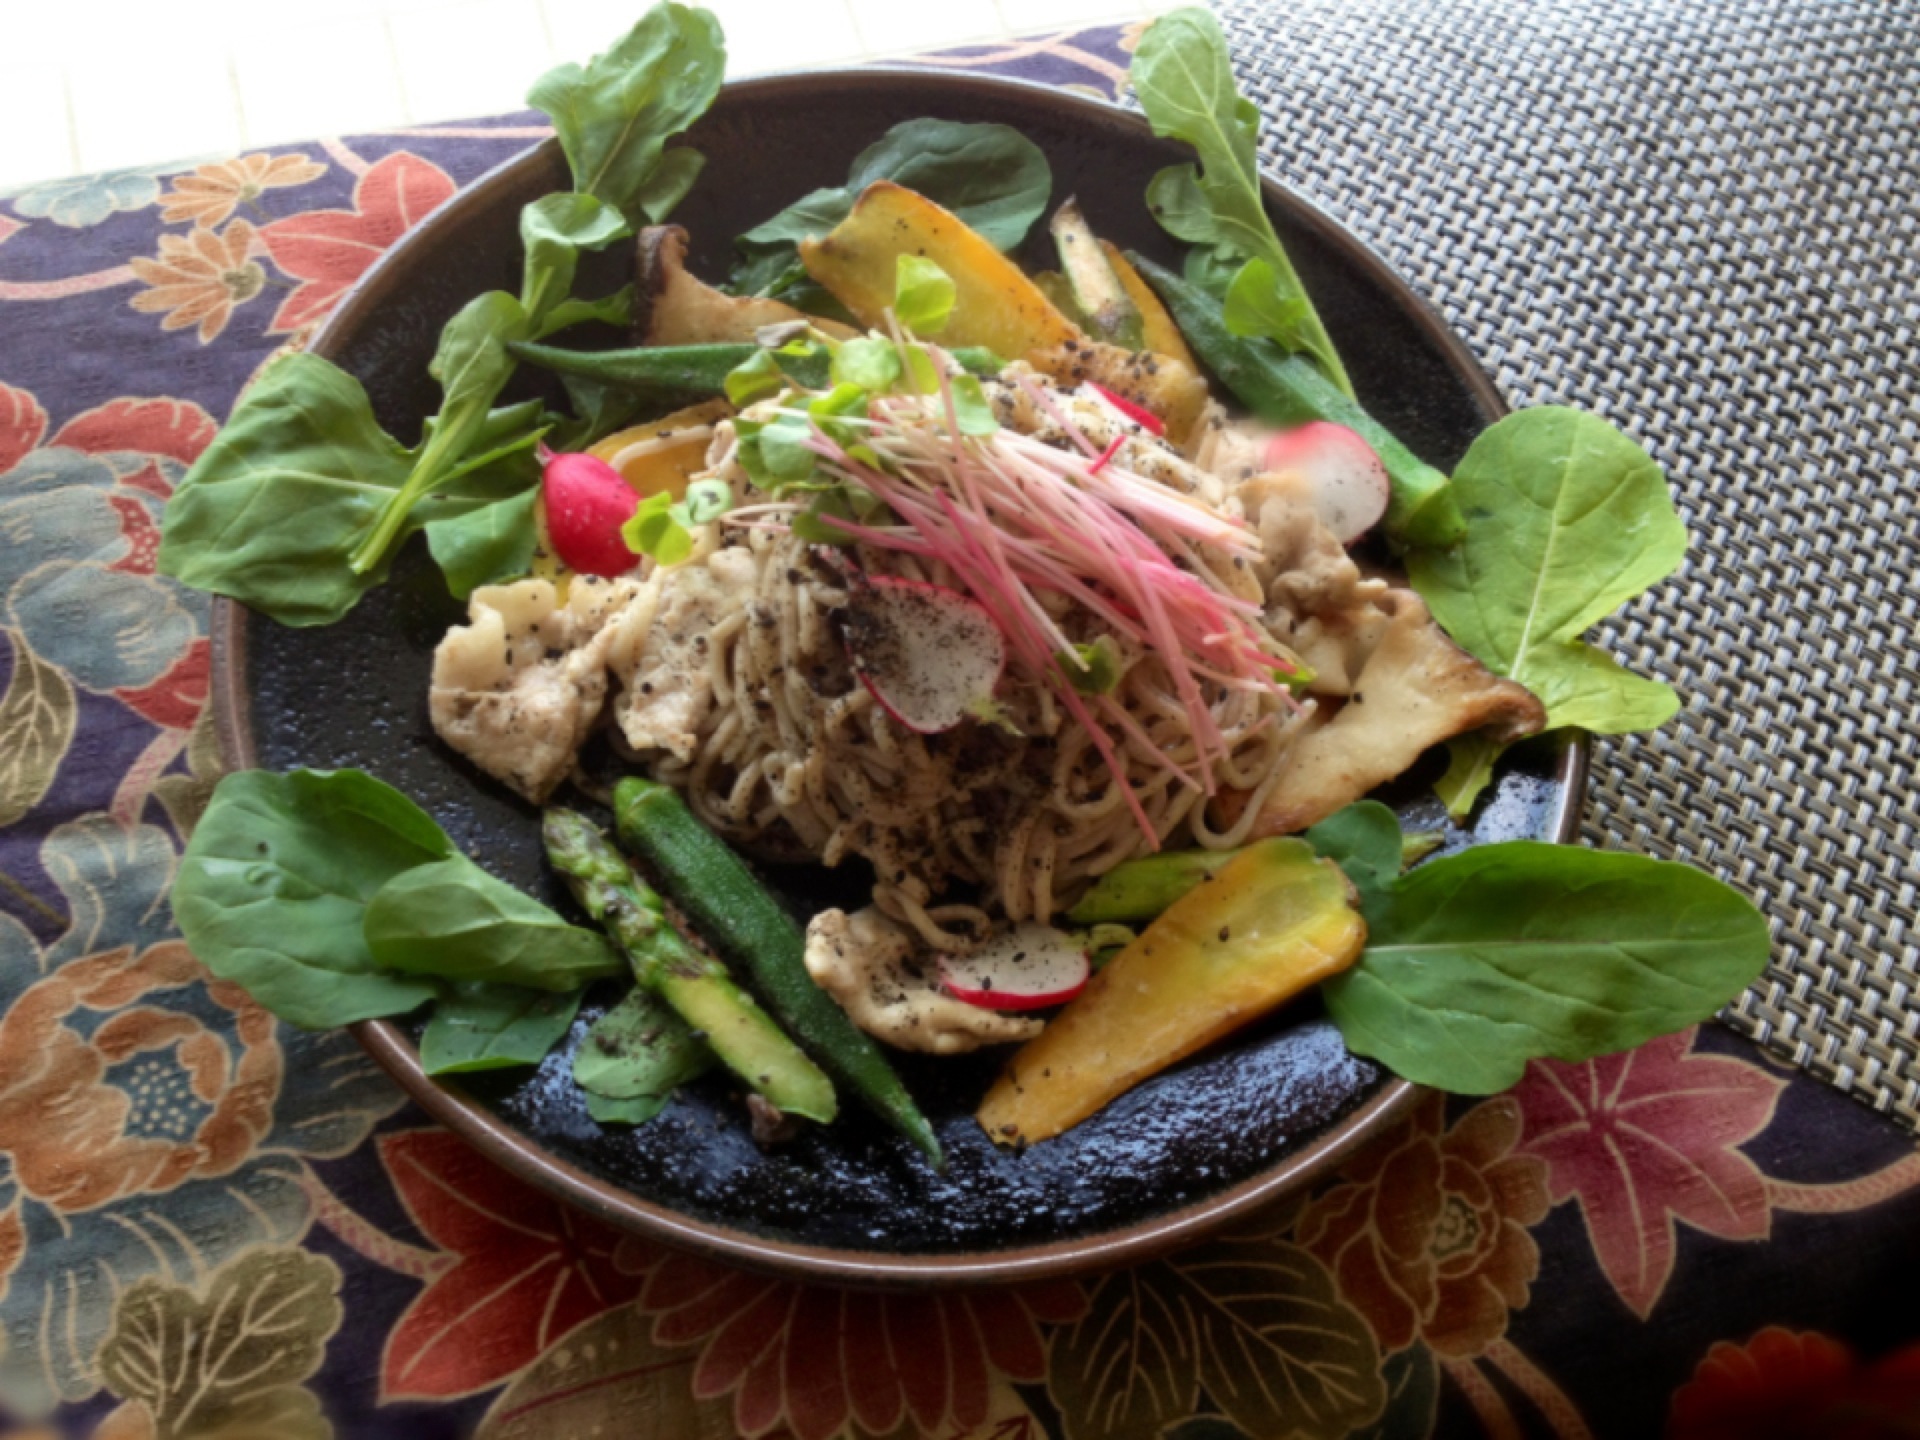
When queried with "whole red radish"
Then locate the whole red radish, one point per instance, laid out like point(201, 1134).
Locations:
point(1349, 482)
point(586, 503)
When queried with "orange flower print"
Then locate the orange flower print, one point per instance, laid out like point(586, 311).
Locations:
point(107, 1090)
point(211, 193)
point(1797, 1385)
point(199, 277)
point(803, 1361)
point(1428, 1230)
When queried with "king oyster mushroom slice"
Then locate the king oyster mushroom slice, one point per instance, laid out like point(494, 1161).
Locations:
point(517, 688)
point(674, 307)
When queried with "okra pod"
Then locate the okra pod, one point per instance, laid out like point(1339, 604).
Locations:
point(703, 876)
point(743, 1035)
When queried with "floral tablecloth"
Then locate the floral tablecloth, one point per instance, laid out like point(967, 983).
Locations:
point(212, 1225)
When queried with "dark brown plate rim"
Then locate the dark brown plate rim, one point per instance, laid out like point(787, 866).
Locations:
point(515, 1153)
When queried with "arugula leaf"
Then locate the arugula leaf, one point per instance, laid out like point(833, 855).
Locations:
point(615, 115)
point(1184, 80)
point(451, 919)
point(635, 1056)
point(614, 119)
point(923, 294)
point(553, 231)
point(487, 545)
point(273, 507)
point(274, 886)
point(472, 365)
point(1567, 520)
point(991, 176)
point(1478, 962)
point(477, 1026)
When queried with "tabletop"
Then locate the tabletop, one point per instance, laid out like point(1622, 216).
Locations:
point(212, 1224)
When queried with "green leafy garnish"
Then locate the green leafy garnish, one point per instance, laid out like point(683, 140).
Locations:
point(661, 526)
point(869, 364)
point(1094, 668)
point(972, 411)
point(758, 379)
point(1568, 519)
point(1184, 79)
point(991, 176)
point(615, 115)
point(635, 1056)
point(333, 898)
point(477, 1026)
point(297, 507)
point(451, 919)
point(923, 294)
point(273, 507)
point(274, 886)
point(487, 545)
point(1363, 840)
point(1481, 961)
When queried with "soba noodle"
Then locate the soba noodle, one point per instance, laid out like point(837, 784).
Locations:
point(795, 757)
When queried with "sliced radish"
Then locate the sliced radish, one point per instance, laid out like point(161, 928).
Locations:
point(586, 503)
point(1026, 968)
point(1139, 414)
point(930, 655)
point(1349, 482)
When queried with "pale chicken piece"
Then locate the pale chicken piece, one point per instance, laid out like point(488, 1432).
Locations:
point(517, 688)
point(1141, 451)
point(868, 964)
point(1233, 450)
point(1414, 689)
point(661, 650)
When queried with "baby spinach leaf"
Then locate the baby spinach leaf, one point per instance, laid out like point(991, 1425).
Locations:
point(991, 176)
point(635, 1056)
point(615, 115)
point(1184, 79)
point(1567, 520)
point(667, 185)
point(1478, 962)
point(274, 886)
point(477, 1026)
point(486, 545)
point(273, 507)
point(1364, 841)
point(453, 920)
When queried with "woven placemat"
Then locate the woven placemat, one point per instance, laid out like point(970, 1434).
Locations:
point(1700, 218)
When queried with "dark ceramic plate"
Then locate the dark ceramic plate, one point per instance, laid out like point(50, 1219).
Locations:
point(1238, 1126)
